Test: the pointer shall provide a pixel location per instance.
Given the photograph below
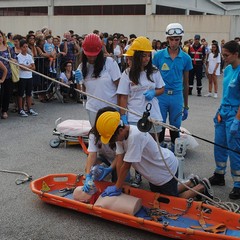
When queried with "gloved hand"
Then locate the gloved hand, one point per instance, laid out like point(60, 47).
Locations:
point(149, 94)
point(235, 126)
point(184, 114)
point(111, 191)
point(86, 186)
point(102, 172)
point(78, 76)
point(124, 119)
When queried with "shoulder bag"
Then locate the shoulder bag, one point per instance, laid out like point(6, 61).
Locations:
point(14, 69)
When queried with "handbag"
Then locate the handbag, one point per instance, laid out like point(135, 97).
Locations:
point(14, 69)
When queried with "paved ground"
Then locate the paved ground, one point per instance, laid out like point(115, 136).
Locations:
point(24, 146)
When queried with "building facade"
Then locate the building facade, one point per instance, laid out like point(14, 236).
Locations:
point(213, 18)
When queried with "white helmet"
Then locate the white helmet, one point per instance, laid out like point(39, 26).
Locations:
point(174, 30)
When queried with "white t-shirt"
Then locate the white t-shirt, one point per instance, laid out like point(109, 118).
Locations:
point(102, 87)
point(212, 63)
point(26, 60)
point(64, 78)
point(136, 100)
point(142, 151)
point(102, 149)
point(116, 52)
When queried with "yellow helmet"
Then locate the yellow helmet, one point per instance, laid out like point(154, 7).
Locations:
point(141, 44)
point(129, 53)
point(107, 124)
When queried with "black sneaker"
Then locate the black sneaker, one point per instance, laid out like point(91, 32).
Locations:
point(235, 193)
point(217, 179)
point(207, 188)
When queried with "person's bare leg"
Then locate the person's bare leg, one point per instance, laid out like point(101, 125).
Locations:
point(210, 82)
point(190, 194)
point(29, 102)
point(182, 188)
point(215, 83)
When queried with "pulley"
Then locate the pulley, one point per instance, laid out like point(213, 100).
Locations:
point(144, 125)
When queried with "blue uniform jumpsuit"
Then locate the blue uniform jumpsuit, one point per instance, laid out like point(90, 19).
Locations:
point(227, 111)
point(171, 101)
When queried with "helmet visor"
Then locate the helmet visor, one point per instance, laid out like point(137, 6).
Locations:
point(172, 31)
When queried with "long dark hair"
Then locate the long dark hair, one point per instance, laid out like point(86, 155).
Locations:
point(98, 65)
point(217, 50)
point(109, 47)
point(135, 70)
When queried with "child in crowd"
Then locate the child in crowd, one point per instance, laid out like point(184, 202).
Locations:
point(25, 84)
point(50, 49)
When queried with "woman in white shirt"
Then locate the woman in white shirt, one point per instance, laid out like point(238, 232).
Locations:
point(100, 75)
point(213, 70)
point(138, 86)
point(117, 52)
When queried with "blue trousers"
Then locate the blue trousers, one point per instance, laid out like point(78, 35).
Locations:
point(225, 138)
point(171, 106)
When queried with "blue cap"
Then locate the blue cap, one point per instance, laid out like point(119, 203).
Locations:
point(197, 36)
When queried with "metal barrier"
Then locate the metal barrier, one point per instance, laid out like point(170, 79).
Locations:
point(42, 85)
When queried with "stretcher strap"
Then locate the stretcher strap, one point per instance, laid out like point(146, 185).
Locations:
point(218, 228)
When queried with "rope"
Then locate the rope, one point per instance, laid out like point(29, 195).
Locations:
point(172, 128)
point(231, 207)
point(19, 181)
point(154, 121)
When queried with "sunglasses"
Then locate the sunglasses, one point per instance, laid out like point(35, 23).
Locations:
point(174, 39)
point(172, 31)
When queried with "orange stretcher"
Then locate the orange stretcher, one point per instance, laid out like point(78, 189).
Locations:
point(168, 216)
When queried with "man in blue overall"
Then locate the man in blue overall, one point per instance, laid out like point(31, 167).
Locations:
point(174, 65)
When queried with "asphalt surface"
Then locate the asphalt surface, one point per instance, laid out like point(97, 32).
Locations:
point(24, 146)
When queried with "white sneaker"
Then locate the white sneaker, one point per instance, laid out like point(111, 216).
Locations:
point(215, 95)
point(22, 113)
point(208, 95)
point(32, 112)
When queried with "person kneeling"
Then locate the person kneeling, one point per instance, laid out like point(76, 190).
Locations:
point(141, 151)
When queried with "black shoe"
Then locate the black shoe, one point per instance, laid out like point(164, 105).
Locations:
point(217, 179)
point(207, 188)
point(190, 92)
point(199, 94)
point(235, 193)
